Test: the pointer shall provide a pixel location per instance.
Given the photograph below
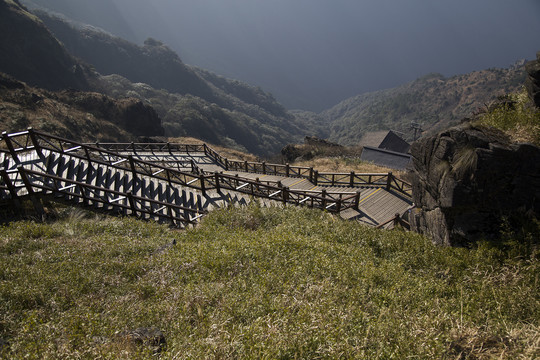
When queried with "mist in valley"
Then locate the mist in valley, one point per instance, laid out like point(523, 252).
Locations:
point(311, 54)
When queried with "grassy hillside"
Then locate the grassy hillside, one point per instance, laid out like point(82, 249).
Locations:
point(434, 101)
point(80, 116)
point(260, 283)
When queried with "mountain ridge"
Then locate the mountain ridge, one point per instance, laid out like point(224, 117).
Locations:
point(196, 102)
point(432, 101)
point(191, 101)
point(41, 61)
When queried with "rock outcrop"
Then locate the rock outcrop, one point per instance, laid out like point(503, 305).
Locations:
point(130, 114)
point(533, 79)
point(467, 180)
point(76, 115)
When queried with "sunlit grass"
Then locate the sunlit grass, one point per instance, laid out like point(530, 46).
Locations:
point(518, 118)
point(260, 283)
point(344, 164)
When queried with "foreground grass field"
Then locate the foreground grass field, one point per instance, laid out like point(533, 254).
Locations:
point(263, 284)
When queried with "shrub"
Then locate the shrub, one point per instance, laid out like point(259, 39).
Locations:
point(515, 115)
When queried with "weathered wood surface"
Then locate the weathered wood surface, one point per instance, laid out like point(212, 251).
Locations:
point(180, 183)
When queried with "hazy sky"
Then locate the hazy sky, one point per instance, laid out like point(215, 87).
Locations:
point(314, 53)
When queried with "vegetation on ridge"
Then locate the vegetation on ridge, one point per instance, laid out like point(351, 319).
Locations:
point(261, 283)
point(515, 115)
point(433, 101)
point(191, 101)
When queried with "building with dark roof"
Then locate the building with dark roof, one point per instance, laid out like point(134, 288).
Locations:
point(394, 142)
point(390, 159)
point(387, 140)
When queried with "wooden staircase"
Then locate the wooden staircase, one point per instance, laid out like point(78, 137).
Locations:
point(178, 184)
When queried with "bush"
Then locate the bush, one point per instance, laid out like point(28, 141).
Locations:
point(515, 115)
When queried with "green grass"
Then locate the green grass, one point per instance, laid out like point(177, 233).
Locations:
point(517, 117)
point(261, 283)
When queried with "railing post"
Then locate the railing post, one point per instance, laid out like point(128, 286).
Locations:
point(323, 194)
point(35, 141)
point(316, 177)
point(35, 201)
point(25, 179)
point(87, 154)
point(11, 149)
point(397, 220)
point(287, 169)
point(133, 147)
point(205, 149)
point(357, 201)
point(132, 203)
point(218, 186)
point(167, 171)
point(285, 193)
point(264, 168)
point(193, 167)
point(170, 215)
point(83, 194)
point(311, 174)
point(389, 181)
point(203, 186)
point(132, 165)
point(226, 164)
point(12, 190)
point(169, 148)
point(351, 182)
point(246, 166)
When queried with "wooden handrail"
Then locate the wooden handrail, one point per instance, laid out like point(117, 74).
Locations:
point(99, 155)
point(350, 179)
point(133, 199)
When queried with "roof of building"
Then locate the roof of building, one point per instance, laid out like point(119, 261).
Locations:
point(391, 159)
point(394, 142)
point(373, 138)
point(387, 140)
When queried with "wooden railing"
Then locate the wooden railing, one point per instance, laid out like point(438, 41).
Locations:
point(97, 156)
point(88, 194)
point(350, 179)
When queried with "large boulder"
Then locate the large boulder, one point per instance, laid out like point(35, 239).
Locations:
point(468, 180)
point(533, 79)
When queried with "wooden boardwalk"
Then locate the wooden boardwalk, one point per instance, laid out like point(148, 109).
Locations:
point(181, 183)
point(377, 204)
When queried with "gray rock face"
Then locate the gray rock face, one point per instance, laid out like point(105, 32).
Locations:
point(533, 79)
point(467, 180)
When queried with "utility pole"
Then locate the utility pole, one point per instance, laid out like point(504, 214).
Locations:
point(417, 130)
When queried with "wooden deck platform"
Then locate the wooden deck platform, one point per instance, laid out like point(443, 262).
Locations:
point(182, 182)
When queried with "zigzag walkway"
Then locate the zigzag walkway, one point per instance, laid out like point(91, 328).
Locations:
point(382, 196)
point(180, 183)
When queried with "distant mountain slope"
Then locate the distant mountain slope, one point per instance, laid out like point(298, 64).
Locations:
point(187, 115)
point(191, 101)
point(155, 64)
point(30, 53)
point(433, 101)
point(77, 115)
